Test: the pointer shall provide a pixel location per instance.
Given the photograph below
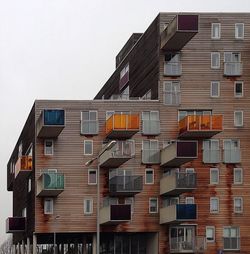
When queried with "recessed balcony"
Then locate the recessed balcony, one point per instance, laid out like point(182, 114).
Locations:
point(50, 123)
point(115, 214)
point(178, 153)
point(50, 184)
point(122, 126)
point(177, 183)
point(232, 69)
point(179, 32)
point(178, 213)
point(23, 165)
point(15, 224)
point(125, 185)
point(196, 126)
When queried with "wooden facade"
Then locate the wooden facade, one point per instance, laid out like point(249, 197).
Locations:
point(146, 71)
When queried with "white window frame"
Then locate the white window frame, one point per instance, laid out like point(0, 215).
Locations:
point(218, 89)
point(215, 66)
point(149, 170)
point(92, 170)
point(218, 205)
point(218, 175)
point(241, 203)
point(242, 116)
point(46, 211)
point(149, 205)
point(213, 25)
point(45, 147)
point(242, 85)
point(85, 206)
point(174, 93)
point(238, 236)
point(236, 31)
point(190, 170)
point(189, 200)
point(84, 144)
point(213, 234)
point(88, 121)
point(241, 173)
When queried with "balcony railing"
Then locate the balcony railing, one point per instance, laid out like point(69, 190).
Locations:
point(211, 155)
point(50, 123)
point(89, 127)
point(115, 214)
point(232, 69)
point(178, 213)
point(15, 224)
point(23, 165)
point(50, 184)
point(232, 155)
point(172, 69)
point(177, 183)
point(118, 154)
point(150, 127)
point(195, 126)
point(179, 153)
point(122, 125)
point(150, 156)
point(125, 185)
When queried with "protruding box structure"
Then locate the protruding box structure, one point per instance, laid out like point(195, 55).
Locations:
point(15, 224)
point(23, 165)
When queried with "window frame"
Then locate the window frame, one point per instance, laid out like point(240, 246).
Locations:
point(215, 67)
point(218, 205)
point(241, 124)
point(242, 88)
point(241, 203)
point(176, 93)
point(213, 234)
point(92, 170)
point(85, 200)
point(153, 178)
point(149, 205)
point(84, 120)
point(218, 89)
point(191, 199)
point(218, 176)
point(213, 32)
point(237, 236)
point(45, 211)
point(84, 145)
point(235, 31)
point(52, 147)
point(240, 170)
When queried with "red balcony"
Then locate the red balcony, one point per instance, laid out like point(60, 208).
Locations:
point(204, 126)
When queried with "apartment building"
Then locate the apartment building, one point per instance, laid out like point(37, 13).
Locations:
point(157, 162)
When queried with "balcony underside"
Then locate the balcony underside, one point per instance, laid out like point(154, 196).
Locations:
point(49, 131)
point(121, 134)
point(124, 193)
point(198, 134)
point(49, 193)
point(177, 191)
point(176, 162)
point(115, 162)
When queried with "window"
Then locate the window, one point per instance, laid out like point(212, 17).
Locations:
point(153, 205)
point(189, 200)
point(48, 147)
point(238, 204)
point(24, 212)
point(89, 122)
point(215, 60)
point(239, 31)
point(88, 206)
point(172, 66)
point(48, 206)
point(170, 201)
point(210, 233)
point(29, 185)
point(171, 93)
point(88, 147)
point(214, 205)
point(190, 170)
point(238, 89)
point(215, 33)
point(183, 113)
point(149, 176)
point(215, 89)
point(92, 176)
point(238, 118)
point(232, 57)
point(124, 76)
point(147, 95)
point(150, 123)
point(214, 175)
point(232, 152)
point(238, 175)
point(211, 151)
point(125, 94)
point(231, 238)
point(150, 152)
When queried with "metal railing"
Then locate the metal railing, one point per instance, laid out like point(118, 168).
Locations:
point(52, 181)
point(125, 184)
point(151, 156)
point(185, 180)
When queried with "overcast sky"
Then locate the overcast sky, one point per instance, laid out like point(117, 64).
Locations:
point(65, 49)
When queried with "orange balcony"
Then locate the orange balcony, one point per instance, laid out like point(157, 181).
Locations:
point(23, 165)
point(204, 126)
point(122, 125)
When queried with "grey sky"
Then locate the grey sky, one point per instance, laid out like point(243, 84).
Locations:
point(65, 49)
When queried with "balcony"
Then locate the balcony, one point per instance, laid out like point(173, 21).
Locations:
point(23, 165)
point(179, 32)
point(50, 184)
point(177, 183)
point(125, 185)
point(211, 156)
point(178, 153)
point(172, 69)
point(122, 125)
point(232, 155)
point(195, 126)
point(115, 214)
point(178, 213)
point(232, 69)
point(15, 224)
point(117, 155)
point(151, 156)
point(150, 127)
point(50, 123)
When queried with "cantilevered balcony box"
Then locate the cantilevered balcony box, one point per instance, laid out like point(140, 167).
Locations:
point(23, 166)
point(125, 185)
point(122, 126)
point(50, 123)
point(179, 153)
point(205, 126)
point(15, 224)
point(179, 32)
point(50, 184)
point(177, 183)
point(115, 214)
point(178, 213)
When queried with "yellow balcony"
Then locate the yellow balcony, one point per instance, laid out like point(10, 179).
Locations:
point(23, 165)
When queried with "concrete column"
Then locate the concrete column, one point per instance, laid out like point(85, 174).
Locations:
point(34, 244)
point(22, 247)
point(18, 248)
point(84, 245)
point(28, 245)
point(94, 244)
point(13, 250)
point(62, 248)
